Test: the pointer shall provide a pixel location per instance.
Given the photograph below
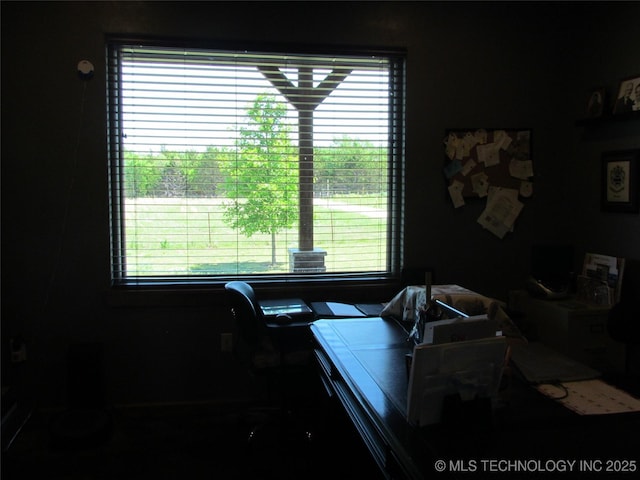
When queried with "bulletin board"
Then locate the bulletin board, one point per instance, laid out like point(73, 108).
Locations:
point(494, 164)
point(479, 157)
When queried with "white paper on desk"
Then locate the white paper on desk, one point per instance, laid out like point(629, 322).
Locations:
point(592, 397)
point(501, 212)
point(344, 309)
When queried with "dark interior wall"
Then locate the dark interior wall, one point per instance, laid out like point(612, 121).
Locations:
point(485, 66)
point(602, 60)
point(469, 65)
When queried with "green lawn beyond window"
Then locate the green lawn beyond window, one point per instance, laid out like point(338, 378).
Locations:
point(169, 236)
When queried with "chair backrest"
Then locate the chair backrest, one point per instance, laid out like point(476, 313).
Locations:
point(247, 312)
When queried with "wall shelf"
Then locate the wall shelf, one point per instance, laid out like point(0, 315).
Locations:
point(608, 118)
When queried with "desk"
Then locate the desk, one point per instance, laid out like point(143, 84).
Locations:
point(362, 364)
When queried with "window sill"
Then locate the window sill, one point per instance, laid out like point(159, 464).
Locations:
point(360, 290)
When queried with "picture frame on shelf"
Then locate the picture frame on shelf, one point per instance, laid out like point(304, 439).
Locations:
point(620, 181)
point(595, 102)
point(627, 99)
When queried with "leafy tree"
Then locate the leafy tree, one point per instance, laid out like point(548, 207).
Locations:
point(140, 177)
point(350, 166)
point(209, 176)
point(263, 180)
point(183, 173)
point(174, 174)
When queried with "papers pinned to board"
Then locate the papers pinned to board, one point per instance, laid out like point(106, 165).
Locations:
point(501, 212)
point(491, 164)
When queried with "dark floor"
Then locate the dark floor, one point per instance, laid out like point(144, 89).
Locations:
point(188, 442)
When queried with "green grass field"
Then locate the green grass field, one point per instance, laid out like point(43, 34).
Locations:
point(170, 236)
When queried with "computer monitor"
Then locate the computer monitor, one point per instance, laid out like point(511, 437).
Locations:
point(552, 264)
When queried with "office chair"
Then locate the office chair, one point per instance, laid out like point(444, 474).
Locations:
point(279, 359)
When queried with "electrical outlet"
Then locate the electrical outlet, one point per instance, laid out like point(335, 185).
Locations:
point(226, 342)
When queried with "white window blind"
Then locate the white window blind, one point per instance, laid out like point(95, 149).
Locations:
point(237, 163)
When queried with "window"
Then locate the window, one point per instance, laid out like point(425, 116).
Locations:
point(227, 163)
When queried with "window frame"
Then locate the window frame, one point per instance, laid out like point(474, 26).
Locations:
point(395, 166)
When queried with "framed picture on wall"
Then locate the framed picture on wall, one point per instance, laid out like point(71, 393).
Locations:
point(595, 103)
point(628, 97)
point(620, 181)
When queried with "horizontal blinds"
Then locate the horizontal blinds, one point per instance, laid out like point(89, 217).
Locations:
point(228, 163)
